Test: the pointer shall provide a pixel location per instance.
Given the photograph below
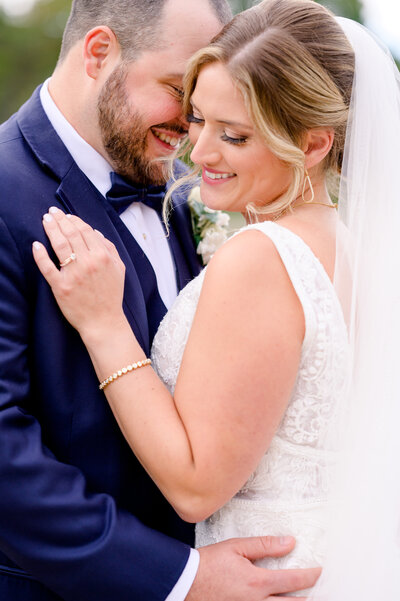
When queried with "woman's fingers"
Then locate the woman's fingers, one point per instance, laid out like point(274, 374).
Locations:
point(63, 235)
point(58, 241)
point(72, 238)
point(45, 264)
point(110, 247)
point(89, 290)
point(89, 235)
point(93, 239)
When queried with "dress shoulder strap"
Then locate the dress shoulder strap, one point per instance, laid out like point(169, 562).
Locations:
point(308, 277)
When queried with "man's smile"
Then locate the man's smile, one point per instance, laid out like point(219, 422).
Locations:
point(169, 139)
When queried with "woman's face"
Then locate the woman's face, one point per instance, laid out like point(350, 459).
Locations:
point(237, 167)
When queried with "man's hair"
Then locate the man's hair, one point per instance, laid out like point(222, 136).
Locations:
point(135, 23)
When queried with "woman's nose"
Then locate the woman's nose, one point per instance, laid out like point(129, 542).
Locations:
point(205, 150)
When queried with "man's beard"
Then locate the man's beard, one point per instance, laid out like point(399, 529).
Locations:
point(124, 136)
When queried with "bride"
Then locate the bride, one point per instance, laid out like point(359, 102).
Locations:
point(274, 371)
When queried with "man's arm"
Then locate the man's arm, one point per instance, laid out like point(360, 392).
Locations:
point(77, 543)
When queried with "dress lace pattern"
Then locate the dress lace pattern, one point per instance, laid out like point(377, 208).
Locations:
point(287, 492)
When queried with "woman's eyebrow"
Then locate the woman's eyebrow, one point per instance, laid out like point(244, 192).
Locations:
point(225, 121)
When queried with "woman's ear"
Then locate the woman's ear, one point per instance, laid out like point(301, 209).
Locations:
point(317, 145)
point(99, 50)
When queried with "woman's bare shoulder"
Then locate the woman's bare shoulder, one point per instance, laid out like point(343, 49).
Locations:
point(245, 256)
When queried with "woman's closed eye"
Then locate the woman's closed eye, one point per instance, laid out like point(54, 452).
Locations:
point(233, 139)
point(190, 118)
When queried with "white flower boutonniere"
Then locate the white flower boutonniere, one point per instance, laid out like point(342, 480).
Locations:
point(210, 228)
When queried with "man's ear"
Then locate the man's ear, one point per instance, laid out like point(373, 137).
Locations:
point(99, 50)
point(317, 145)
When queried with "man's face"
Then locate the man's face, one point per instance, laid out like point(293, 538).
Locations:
point(139, 107)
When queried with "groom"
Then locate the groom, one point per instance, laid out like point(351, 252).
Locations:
point(79, 518)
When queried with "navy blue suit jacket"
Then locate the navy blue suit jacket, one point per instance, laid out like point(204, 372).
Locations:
point(79, 517)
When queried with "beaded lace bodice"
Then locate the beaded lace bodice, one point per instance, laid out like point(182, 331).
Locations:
point(286, 494)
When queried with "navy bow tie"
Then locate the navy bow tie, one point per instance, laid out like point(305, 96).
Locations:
point(122, 194)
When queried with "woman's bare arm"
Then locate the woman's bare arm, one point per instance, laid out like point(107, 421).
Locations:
point(236, 376)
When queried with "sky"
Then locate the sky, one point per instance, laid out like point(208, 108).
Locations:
point(382, 16)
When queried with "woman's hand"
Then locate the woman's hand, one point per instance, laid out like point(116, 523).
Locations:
point(89, 288)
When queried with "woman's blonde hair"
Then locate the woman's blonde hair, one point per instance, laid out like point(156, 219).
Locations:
point(294, 67)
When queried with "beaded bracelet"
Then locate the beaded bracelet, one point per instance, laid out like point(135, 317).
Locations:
point(123, 371)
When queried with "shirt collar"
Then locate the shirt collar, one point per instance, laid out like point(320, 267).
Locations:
point(93, 165)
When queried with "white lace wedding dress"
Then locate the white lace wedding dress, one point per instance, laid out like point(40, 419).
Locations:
point(287, 492)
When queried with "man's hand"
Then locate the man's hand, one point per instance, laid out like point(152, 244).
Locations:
point(227, 574)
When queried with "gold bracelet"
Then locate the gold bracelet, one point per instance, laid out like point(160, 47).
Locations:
point(123, 371)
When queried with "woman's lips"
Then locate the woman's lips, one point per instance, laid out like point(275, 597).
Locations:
point(210, 176)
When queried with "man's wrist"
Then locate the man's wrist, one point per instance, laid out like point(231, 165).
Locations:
point(186, 579)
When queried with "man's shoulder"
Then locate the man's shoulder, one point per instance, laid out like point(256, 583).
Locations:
point(23, 179)
point(9, 129)
point(12, 140)
point(16, 158)
point(14, 155)
point(20, 159)
point(17, 133)
point(9, 132)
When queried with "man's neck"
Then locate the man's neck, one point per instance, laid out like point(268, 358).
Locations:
point(71, 94)
point(93, 165)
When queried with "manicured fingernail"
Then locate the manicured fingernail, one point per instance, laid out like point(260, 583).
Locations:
point(54, 210)
point(47, 217)
point(37, 245)
point(285, 540)
point(99, 233)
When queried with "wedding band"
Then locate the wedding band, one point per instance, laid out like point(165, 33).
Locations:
point(68, 260)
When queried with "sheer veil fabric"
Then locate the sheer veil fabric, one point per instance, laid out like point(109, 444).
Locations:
point(363, 556)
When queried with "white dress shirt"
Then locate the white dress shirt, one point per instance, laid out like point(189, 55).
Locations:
point(144, 225)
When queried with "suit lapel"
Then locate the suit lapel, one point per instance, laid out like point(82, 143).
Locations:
point(81, 198)
point(40, 135)
point(182, 244)
point(181, 238)
point(77, 195)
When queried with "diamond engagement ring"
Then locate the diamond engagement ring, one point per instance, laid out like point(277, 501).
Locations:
point(68, 260)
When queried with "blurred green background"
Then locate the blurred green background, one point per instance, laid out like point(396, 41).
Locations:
point(29, 45)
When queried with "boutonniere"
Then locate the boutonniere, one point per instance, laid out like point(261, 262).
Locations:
point(210, 228)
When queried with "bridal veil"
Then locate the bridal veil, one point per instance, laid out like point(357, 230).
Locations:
point(363, 557)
